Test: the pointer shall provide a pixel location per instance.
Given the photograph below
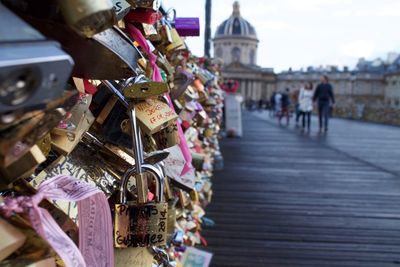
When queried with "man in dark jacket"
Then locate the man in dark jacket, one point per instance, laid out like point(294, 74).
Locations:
point(325, 98)
point(285, 102)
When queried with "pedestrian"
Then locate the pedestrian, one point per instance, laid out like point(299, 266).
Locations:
point(285, 103)
point(272, 105)
point(260, 104)
point(278, 104)
point(306, 105)
point(295, 101)
point(325, 99)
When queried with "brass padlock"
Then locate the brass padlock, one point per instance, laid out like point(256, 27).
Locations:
point(154, 115)
point(141, 223)
point(88, 17)
point(167, 137)
point(177, 42)
point(18, 138)
point(65, 144)
point(140, 88)
point(73, 120)
point(164, 64)
point(23, 167)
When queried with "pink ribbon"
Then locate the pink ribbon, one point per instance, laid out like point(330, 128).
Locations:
point(95, 234)
point(138, 36)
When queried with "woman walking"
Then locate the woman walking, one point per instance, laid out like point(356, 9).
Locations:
point(306, 105)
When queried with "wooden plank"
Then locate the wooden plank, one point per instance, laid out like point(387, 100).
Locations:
point(288, 199)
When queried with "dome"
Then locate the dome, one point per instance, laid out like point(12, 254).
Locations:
point(236, 26)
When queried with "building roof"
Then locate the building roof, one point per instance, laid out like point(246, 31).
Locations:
point(236, 26)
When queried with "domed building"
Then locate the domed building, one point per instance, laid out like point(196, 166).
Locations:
point(236, 43)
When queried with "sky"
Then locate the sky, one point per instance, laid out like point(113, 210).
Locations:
point(302, 33)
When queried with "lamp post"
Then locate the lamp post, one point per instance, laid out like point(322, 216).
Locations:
point(207, 34)
point(353, 78)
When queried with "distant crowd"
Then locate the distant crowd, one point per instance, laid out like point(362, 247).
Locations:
point(300, 103)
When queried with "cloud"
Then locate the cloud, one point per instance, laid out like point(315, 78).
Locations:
point(357, 49)
point(343, 13)
point(312, 5)
point(276, 25)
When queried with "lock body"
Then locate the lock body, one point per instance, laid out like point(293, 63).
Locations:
point(88, 17)
point(140, 225)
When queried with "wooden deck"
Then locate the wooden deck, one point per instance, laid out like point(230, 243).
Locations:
point(292, 199)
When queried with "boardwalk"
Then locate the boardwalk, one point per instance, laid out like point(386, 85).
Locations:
point(288, 199)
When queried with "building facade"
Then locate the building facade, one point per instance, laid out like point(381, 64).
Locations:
point(370, 91)
point(236, 43)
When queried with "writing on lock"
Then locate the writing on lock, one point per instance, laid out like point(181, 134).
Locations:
point(141, 225)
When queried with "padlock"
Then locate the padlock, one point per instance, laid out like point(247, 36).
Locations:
point(44, 145)
point(188, 26)
point(140, 88)
point(73, 119)
point(184, 199)
point(23, 167)
point(121, 8)
point(112, 50)
point(88, 17)
point(167, 137)
point(162, 258)
point(181, 82)
point(106, 110)
point(17, 138)
point(149, 31)
point(12, 239)
point(141, 223)
point(154, 115)
point(191, 94)
point(85, 163)
point(65, 144)
point(165, 32)
point(165, 65)
point(32, 249)
point(135, 256)
point(168, 193)
point(177, 42)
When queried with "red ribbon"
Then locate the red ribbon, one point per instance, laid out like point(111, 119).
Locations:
point(143, 15)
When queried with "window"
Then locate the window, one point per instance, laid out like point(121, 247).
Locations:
point(236, 54)
point(252, 57)
point(219, 52)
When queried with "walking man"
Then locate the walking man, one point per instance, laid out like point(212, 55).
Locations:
point(285, 104)
point(325, 99)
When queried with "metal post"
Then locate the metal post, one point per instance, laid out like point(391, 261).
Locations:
point(207, 35)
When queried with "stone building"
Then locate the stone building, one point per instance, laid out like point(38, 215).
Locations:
point(236, 43)
point(370, 91)
point(392, 84)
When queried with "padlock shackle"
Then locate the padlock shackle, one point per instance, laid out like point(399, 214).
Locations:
point(117, 93)
point(131, 172)
point(137, 146)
